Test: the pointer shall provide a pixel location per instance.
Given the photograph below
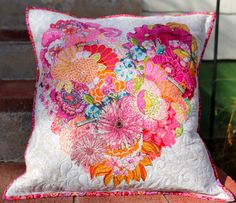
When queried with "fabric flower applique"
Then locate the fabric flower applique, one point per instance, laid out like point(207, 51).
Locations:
point(108, 84)
point(72, 62)
point(53, 43)
point(119, 125)
point(137, 53)
point(47, 85)
point(71, 103)
point(88, 150)
point(130, 166)
point(69, 33)
point(178, 50)
point(125, 70)
point(116, 111)
point(92, 111)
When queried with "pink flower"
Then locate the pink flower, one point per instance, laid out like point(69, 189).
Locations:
point(70, 104)
point(162, 32)
point(119, 124)
point(122, 166)
point(87, 150)
point(169, 138)
point(108, 86)
point(47, 86)
point(151, 53)
point(170, 47)
point(110, 32)
point(164, 134)
point(48, 38)
point(70, 32)
point(162, 137)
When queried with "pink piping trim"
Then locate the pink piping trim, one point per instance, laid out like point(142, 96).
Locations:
point(208, 33)
point(123, 193)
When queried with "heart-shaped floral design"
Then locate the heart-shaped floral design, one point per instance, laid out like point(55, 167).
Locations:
point(117, 104)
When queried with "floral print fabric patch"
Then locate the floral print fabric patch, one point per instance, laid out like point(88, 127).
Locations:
point(117, 109)
point(114, 99)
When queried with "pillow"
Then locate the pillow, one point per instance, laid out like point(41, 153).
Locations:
point(116, 107)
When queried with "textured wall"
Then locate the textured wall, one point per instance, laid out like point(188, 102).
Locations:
point(15, 129)
point(12, 12)
point(17, 60)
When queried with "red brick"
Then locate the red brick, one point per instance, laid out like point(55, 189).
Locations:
point(8, 172)
point(181, 199)
point(123, 199)
point(16, 89)
point(14, 35)
point(16, 95)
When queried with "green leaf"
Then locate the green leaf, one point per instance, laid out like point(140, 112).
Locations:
point(96, 57)
point(88, 98)
point(113, 95)
point(134, 41)
point(146, 59)
point(68, 87)
point(179, 131)
point(140, 67)
point(138, 82)
point(150, 27)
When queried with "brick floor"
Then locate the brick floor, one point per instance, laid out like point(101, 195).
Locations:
point(124, 199)
point(9, 171)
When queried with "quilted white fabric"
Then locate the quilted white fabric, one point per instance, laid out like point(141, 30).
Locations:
point(182, 165)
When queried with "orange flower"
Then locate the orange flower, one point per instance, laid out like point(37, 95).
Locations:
point(82, 64)
point(122, 152)
point(69, 68)
point(131, 167)
point(107, 83)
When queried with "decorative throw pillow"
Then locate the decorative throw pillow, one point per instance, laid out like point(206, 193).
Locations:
point(116, 107)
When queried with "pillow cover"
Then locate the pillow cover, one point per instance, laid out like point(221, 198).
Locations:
point(116, 107)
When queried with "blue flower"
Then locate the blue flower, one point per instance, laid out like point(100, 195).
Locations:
point(137, 53)
point(92, 111)
point(160, 49)
point(125, 70)
point(106, 100)
point(122, 94)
